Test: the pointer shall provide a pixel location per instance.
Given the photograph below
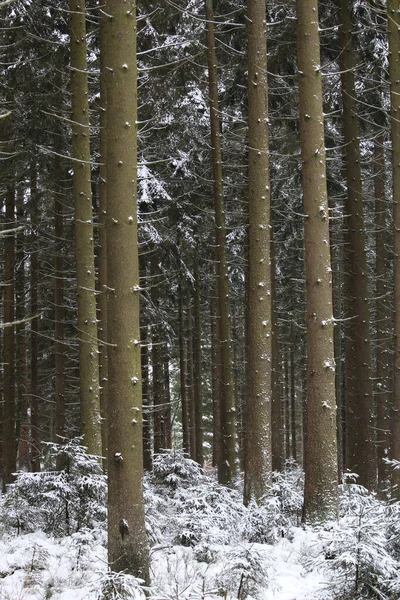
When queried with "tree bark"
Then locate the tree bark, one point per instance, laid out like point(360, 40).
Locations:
point(360, 423)
point(198, 393)
point(183, 374)
point(34, 391)
point(127, 542)
point(9, 454)
point(102, 251)
point(59, 314)
point(84, 240)
point(22, 426)
point(393, 11)
point(321, 491)
point(228, 460)
point(258, 445)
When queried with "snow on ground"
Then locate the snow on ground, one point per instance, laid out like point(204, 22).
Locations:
point(35, 566)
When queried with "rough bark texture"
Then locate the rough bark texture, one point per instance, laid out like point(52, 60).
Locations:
point(190, 377)
point(167, 399)
point(157, 357)
point(227, 465)
point(85, 270)
point(182, 373)
point(320, 496)
point(278, 458)
point(258, 446)
point(22, 425)
point(198, 395)
point(59, 314)
point(102, 251)
point(127, 543)
point(360, 424)
point(9, 454)
point(393, 9)
point(147, 444)
point(383, 337)
point(34, 392)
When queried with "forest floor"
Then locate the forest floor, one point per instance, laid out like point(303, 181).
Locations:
point(36, 566)
point(205, 545)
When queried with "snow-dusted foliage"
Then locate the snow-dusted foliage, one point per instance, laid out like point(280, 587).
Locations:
point(355, 551)
point(244, 574)
point(58, 502)
point(119, 586)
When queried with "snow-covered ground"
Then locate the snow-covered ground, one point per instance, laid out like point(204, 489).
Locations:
point(205, 545)
point(35, 566)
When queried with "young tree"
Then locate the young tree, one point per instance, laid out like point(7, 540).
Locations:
point(321, 490)
point(127, 544)
point(258, 447)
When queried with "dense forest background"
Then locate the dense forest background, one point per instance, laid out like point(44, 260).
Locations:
point(261, 232)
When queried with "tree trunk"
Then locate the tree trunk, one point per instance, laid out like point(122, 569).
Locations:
point(147, 445)
point(102, 251)
point(22, 427)
point(84, 241)
point(167, 400)
point(228, 460)
point(34, 391)
point(127, 542)
point(198, 393)
point(321, 491)
point(59, 314)
point(9, 454)
point(258, 454)
point(360, 424)
point(190, 377)
point(215, 383)
point(157, 357)
point(277, 450)
point(393, 9)
point(382, 317)
point(183, 372)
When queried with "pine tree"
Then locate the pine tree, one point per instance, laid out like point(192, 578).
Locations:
point(258, 447)
point(321, 490)
point(127, 544)
point(360, 443)
point(84, 239)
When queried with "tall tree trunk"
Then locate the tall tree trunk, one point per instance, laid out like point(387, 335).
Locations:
point(102, 251)
point(9, 454)
point(157, 357)
point(320, 463)
point(147, 445)
point(182, 373)
point(258, 454)
point(59, 313)
point(127, 542)
point(215, 383)
point(34, 391)
point(382, 317)
point(393, 10)
point(293, 424)
point(288, 448)
point(167, 400)
point(190, 377)
point(277, 449)
point(198, 394)
point(22, 427)
point(228, 460)
point(84, 239)
point(360, 424)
